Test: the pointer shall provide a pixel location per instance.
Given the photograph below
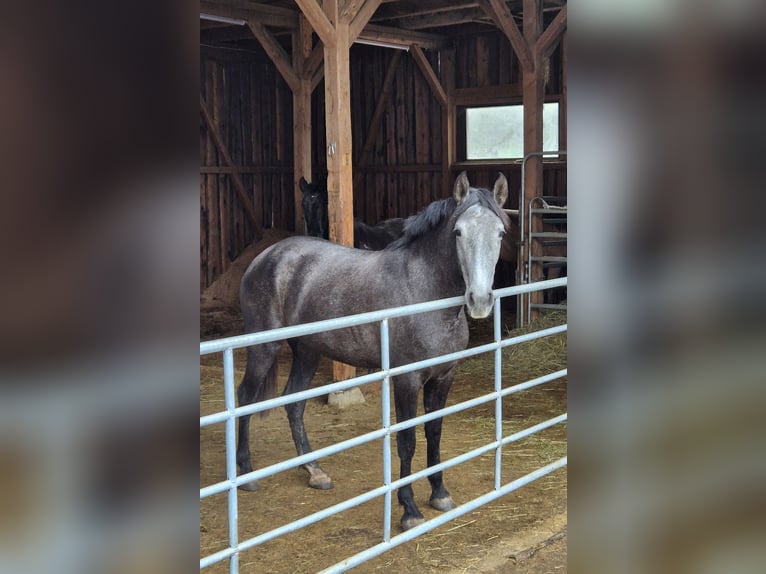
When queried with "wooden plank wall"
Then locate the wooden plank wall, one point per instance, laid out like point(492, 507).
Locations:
point(252, 107)
point(402, 173)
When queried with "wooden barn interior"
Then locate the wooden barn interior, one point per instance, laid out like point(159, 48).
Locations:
point(371, 94)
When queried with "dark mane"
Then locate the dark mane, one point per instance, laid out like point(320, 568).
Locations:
point(436, 213)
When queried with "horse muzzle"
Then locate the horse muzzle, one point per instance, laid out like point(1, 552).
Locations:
point(479, 306)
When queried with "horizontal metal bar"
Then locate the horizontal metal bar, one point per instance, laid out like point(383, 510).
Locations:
point(374, 493)
point(292, 462)
point(218, 345)
point(549, 235)
point(371, 377)
point(478, 451)
point(429, 525)
point(548, 306)
point(550, 209)
point(549, 258)
point(224, 485)
point(320, 326)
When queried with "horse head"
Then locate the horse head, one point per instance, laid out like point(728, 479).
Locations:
point(480, 225)
point(314, 205)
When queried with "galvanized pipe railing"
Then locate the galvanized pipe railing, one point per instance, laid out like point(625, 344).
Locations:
point(387, 429)
point(521, 313)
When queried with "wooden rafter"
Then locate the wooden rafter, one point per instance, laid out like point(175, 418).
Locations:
point(499, 12)
point(446, 18)
point(350, 9)
point(429, 74)
point(314, 61)
point(404, 37)
point(396, 10)
point(239, 187)
point(361, 18)
point(318, 20)
point(547, 41)
point(276, 53)
point(251, 11)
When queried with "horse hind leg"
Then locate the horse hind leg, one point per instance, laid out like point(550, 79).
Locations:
point(258, 383)
point(305, 363)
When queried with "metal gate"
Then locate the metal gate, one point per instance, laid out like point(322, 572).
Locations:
point(387, 429)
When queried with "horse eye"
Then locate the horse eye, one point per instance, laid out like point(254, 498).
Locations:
point(501, 234)
point(458, 233)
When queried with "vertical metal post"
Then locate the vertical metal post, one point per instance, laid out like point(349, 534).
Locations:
point(385, 401)
point(231, 455)
point(498, 388)
point(521, 309)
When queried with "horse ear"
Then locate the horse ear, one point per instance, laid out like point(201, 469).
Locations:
point(303, 184)
point(501, 189)
point(461, 187)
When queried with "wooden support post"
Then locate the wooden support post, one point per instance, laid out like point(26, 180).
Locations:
point(332, 21)
point(533, 95)
point(448, 119)
point(340, 194)
point(302, 49)
point(239, 187)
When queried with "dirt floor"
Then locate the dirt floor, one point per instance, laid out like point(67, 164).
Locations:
point(524, 531)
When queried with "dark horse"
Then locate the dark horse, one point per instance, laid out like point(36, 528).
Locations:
point(370, 237)
point(449, 249)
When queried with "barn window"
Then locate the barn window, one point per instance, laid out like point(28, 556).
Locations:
point(497, 132)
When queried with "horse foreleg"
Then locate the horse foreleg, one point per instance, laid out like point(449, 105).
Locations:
point(434, 398)
point(406, 401)
point(305, 363)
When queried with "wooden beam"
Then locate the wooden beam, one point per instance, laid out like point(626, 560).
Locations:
point(448, 120)
point(404, 38)
point(314, 61)
point(533, 98)
point(547, 41)
point(317, 77)
point(350, 9)
point(216, 169)
point(277, 54)
point(380, 107)
point(396, 10)
point(302, 50)
point(244, 10)
point(319, 21)
point(236, 180)
point(486, 95)
point(362, 18)
point(340, 191)
point(430, 75)
point(498, 11)
point(450, 18)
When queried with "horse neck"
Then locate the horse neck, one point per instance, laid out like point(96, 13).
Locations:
point(434, 259)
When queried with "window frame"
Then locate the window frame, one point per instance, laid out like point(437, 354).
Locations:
point(461, 135)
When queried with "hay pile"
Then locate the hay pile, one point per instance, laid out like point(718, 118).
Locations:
point(539, 356)
point(224, 291)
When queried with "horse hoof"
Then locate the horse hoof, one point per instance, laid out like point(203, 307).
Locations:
point(320, 482)
point(445, 503)
point(411, 522)
point(250, 486)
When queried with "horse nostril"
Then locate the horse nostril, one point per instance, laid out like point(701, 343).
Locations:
point(471, 300)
